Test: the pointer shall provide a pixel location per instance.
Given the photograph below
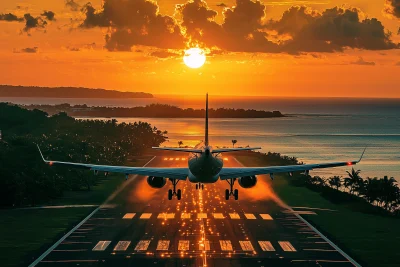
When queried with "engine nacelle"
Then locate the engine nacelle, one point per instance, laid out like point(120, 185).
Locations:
point(156, 182)
point(248, 181)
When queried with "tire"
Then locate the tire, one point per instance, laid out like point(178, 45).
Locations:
point(197, 186)
point(227, 194)
point(236, 194)
point(179, 194)
point(170, 194)
point(202, 187)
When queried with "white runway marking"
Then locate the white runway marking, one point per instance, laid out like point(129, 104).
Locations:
point(266, 216)
point(202, 215)
point(286, 246)
point(142, 245)
point(218, 216)
point(246, 245)
point(122, 245)
point(129, 216)
point(266, 246)
point(234, 216)
point(166, 216)
point(163, 245)
point(250, 216)
point(185, 215)
point(101, 246)
point(204, 245)
point(226, 245)
point(145, 216)
point(183, 245)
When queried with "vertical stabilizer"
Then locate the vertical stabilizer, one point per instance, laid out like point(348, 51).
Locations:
point(206, 126)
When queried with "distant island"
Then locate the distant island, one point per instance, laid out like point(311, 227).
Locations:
point(153, 111)
point(66, 92)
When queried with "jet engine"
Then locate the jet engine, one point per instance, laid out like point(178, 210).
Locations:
point(156, 182)
point(248, 181)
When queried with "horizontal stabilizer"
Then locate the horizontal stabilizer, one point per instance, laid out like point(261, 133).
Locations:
point(187, 150)
point(224, 150)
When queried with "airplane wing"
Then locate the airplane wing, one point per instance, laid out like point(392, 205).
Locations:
point(174, 173)
point(227, 173)
point(222, 150)
point(188, 150)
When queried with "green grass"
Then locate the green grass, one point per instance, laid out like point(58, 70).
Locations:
point(24, 232)
point(372, 240)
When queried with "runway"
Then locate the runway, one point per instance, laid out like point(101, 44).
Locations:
point(141, 227)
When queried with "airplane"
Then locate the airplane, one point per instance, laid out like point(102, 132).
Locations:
point(205, 165)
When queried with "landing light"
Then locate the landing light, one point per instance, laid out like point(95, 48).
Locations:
point(226, 159)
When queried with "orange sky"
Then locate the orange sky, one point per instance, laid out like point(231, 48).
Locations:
point(350, 73)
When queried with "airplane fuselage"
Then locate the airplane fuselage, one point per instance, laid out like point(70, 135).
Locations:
point(204, 167)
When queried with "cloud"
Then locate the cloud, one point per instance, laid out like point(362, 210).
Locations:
point(30, 50)
point(10, 17)
point(49, 15)
point(72, 5)
point(221, 5)
point(398, 63)
point(361, 61)
point(164, 54)
point(392, 8)
point(32, 22)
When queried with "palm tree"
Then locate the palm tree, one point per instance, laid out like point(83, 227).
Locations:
point(355, 180)
point(180, 143)
point(234, 142)
point(335, 181)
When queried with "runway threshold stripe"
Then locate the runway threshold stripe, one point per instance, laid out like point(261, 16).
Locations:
point(218, 216)
point(266, 216)
point(166, 216)
point(185, 215)
point(101, 245)
point(250, 216)
point(286, 246)
point(129, 216)
point(246, 245)
point(234, 216)
point(122, 245)
point(202, 215)
point(183, 245)
point(226, 245)
point(266, 246)
point(145, 216)
point(142, 245)
point(163, 245)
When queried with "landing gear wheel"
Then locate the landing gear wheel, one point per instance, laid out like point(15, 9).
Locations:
point(170, 194)
point(197, 186)
point(179, 194)
point(202, 187)
point(236, 194)
point(227, 194)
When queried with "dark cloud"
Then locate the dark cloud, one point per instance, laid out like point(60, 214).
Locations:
point(392, 7)
point(221, 5)
point(361, 61)
point(30, 50)
point(49, 15)
point(134, 22)
point(164, 54)
point(10, 17)
point(398, 63)
point(72, 5)
point(32, 22)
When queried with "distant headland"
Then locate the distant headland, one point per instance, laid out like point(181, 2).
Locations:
point(66, 92)
point(152, 111)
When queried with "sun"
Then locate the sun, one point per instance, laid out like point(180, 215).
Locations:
point(194, 58)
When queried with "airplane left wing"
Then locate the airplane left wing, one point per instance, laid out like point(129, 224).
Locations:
point(174, 173)
point(227, 173)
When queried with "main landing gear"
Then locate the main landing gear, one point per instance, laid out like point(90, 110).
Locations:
point(171, 192)
point(199, 186)
point(231, 192)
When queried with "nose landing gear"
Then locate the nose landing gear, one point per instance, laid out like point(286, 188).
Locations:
point(231, 192)
point(174, 192)
point(199, 186)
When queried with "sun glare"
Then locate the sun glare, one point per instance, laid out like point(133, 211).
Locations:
point(194, 58)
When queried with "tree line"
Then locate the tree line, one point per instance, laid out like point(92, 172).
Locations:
point(26, 180)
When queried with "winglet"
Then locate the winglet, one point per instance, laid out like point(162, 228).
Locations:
point(362, 155)
point(41, 153)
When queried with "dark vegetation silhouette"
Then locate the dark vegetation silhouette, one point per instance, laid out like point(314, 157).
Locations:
point(154, 111)
point(26, 180)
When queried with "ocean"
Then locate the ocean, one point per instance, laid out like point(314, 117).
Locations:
point(316, 130)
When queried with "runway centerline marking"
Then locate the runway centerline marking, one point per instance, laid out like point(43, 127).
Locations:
point(234, 216)
point(226, 245)
point(101, 245)
point(266, 216)
point(266, 246)
point(183, 245)
point(163, 245)
point(129, 216)
point(204, 245)
point(142, 245)
point(202, 215)
point(250, 216)
point(286, 246)
point(145, 216)
point(218, 216)
point(246, 245)
point(185, 215)
point(166, 216)
point(122, 245)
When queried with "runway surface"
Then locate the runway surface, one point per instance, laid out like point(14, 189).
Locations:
point(141, 227)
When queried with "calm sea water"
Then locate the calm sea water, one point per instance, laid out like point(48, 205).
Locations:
point(318, 130)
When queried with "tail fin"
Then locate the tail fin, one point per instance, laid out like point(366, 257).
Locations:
point(206, 126)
